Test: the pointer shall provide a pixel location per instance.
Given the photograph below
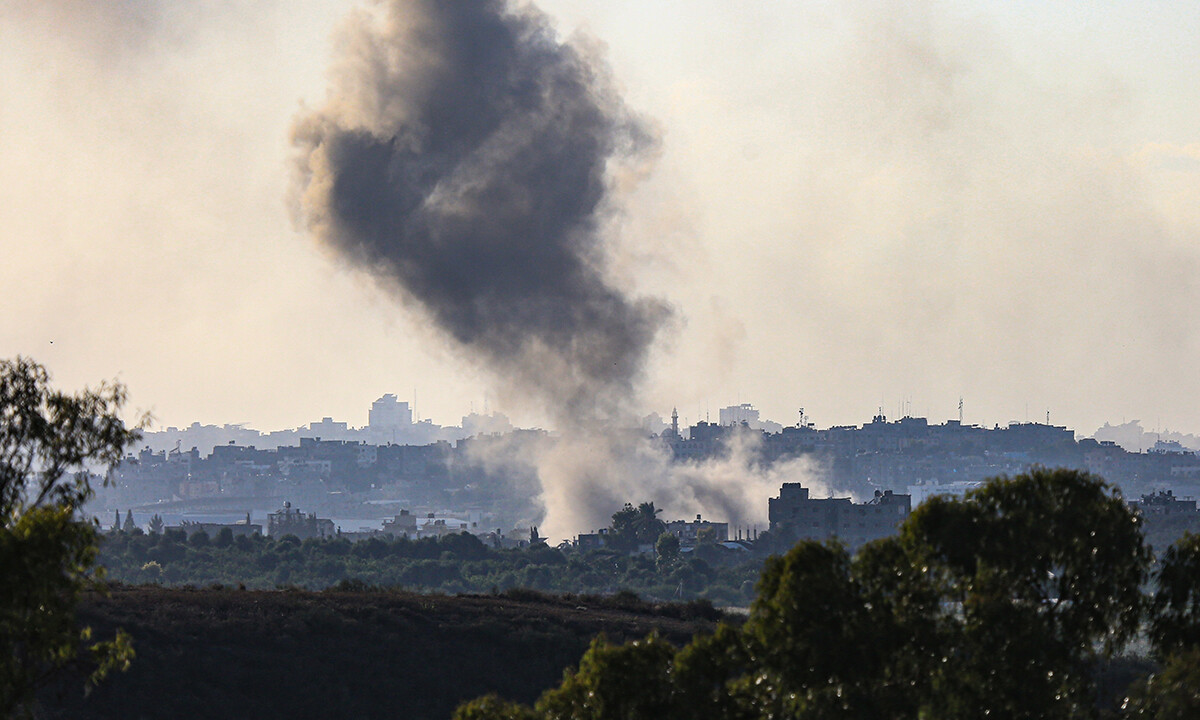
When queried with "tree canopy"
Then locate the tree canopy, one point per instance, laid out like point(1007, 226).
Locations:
point(633, 526)
point(998, 604)
point(50, 441)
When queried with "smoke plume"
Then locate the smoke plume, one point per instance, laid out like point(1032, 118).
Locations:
point(463, 158)
point(586, 476)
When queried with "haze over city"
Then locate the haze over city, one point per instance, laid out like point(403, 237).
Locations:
point(561, 358)
point(838, 206)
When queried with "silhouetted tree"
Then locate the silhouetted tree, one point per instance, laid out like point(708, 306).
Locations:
point(633, 526)
point(48, 439)
point(993, 605)
point(667, 548)
point(1175, 607)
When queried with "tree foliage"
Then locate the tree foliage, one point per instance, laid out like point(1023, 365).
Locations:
point(1038, 573)
point(633, 526)
point(666, 549)
point(1173, 693)
point(454, 563)
point(1175, 607)
point(993, 605)
point(49, 441)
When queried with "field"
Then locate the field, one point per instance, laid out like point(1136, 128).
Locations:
point(360, 653)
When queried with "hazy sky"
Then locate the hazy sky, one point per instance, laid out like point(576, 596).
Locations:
point(855, 205)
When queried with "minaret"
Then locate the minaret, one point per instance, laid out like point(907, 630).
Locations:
point(675, 421)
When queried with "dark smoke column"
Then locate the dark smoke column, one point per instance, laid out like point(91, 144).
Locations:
point(461, 159)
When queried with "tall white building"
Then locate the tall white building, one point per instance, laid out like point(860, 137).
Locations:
point(389, 419)
point(738, 414)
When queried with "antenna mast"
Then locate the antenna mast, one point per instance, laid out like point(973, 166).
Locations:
point(960, 409)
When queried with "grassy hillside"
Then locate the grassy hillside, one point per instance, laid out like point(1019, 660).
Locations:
point(362, 654)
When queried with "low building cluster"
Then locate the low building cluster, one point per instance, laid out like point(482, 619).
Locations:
point(794, 516)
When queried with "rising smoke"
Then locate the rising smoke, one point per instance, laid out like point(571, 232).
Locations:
point(464, 158)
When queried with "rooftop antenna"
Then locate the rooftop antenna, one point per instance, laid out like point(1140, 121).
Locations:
point(960, 409)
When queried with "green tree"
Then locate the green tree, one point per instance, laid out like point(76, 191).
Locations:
point(615, 682)
point(490, 707)
point(1174, 631)
point(1175, 607)
point(824, 645)
point(715, 680)
point(48, 442)
point(1037, 574)
point(994, 605)
point(224, 538)
point(1172, 693)
point(707, 536)
point(667, 548)
point(633, 526)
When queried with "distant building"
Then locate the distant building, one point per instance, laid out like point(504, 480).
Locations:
point(746, 414)
point(402, 525)
point(796, 516)
point(303, 525)
point(328, 429)
point(925, 490)
point(738, 414)
point(358, 535)
point(1165, 503)
point(689, 532)
point(240, 528)
point(489, 424)
point(592, 541)
point(440, 527)
point(389, 420)
point(1170, 446)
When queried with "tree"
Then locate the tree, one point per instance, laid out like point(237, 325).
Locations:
point(1174, 631)
point(1037, 574)
point(612, 682)
point(994, 605)
point(714, 680)
point(490, 707)
point(48, 442)
point(636, 526)
point(707, 536)
point(667, 548)
point(1172, 693)
point(224, 538)
point(825, 646)
point(615, 682)
point(1175, 607)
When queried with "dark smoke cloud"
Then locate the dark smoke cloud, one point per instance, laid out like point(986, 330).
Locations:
point(463, 157)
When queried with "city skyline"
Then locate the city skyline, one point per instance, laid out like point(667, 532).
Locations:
point(485, 419)
point(850, 206)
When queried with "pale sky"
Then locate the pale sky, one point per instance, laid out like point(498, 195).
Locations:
point(856, 204)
